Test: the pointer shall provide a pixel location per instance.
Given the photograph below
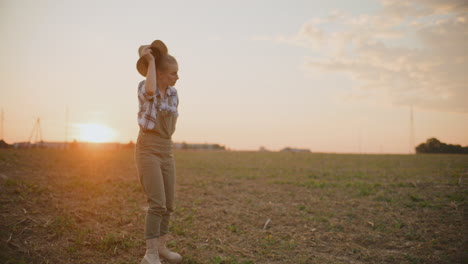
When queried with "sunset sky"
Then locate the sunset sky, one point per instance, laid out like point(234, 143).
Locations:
point(330, 76)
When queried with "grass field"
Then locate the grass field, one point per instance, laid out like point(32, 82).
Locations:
point(88, 207)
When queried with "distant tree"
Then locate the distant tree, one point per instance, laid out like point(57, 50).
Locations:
point(263, 149)
point(74, 144)
point(130, 144)
point(3, 144)
point(218, 147)
point(433, 145)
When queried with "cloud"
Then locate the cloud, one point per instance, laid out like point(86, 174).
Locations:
point(411, 52)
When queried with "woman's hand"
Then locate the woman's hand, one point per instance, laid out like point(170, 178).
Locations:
point(147, 53)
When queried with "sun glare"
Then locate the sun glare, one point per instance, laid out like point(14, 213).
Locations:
point(96, 133)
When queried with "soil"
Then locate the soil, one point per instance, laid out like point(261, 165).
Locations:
point(87, 206)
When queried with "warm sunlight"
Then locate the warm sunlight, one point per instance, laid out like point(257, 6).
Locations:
point(96, 133)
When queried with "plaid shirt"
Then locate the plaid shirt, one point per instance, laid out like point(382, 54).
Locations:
point(148, 110)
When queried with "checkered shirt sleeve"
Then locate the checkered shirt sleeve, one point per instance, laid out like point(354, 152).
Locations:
point(147, 110)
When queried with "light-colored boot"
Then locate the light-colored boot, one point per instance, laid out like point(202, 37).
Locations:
point(165, 253)
point(151, 255)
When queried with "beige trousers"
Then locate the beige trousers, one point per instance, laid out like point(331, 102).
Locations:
point(156, 171)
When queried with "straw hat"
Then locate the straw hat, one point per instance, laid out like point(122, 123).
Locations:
point(158, 47)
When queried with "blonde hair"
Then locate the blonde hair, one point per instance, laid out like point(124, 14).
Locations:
point(163, 62)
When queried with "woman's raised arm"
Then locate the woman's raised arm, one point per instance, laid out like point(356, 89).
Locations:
point(150, 84)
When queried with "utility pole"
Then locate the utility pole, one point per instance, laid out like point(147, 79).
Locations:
point(360, 140)
point(411, 137)
point(37, 132)
point(66, 128)
point(1, 135)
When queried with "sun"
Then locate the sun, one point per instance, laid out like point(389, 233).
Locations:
point(96, 133)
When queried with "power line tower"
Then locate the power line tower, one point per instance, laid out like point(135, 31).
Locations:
point(360, 140)
point(411, 136)
point(66, 128)
point(37, 132)
point(1, 135)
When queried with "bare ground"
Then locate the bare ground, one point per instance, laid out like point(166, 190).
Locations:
point(87, 206)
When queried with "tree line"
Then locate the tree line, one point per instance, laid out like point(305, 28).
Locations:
point(433, 145)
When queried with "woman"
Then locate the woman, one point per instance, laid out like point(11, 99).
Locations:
point(157, 116)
